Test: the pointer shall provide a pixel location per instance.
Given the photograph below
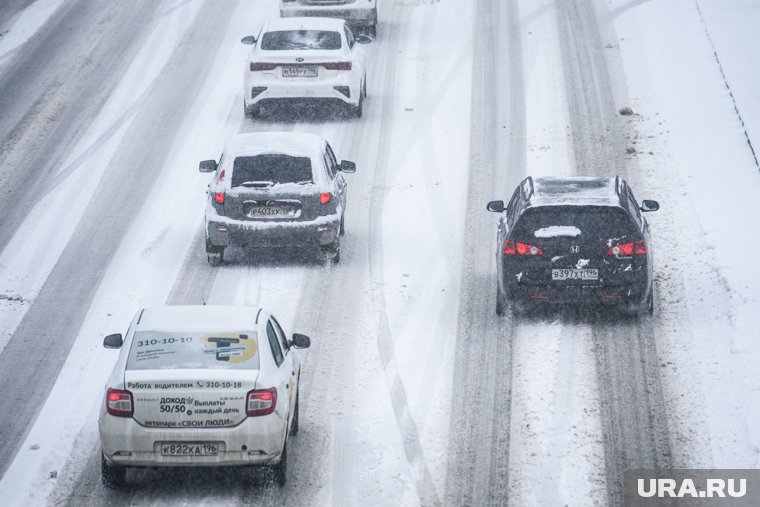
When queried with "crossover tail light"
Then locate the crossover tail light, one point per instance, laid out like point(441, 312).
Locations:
point(515, 247)
point(325, 197)
point(261, 402)
point(219, 197)
point(119, 403)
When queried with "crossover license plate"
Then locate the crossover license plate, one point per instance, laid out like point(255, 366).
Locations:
point(575, 274)
point(290, 71)
point(189, 449)
point(270, 211)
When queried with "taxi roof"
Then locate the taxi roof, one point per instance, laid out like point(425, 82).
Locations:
point(198, 318)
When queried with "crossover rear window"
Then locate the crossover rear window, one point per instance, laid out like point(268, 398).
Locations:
point(154, 350)
point(271, 168)
point(584, 222)
point(300, 39)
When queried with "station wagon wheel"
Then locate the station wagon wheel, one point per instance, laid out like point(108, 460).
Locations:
point(332, 251)
point(113, 476)
point(500, 309)
point(281, 469)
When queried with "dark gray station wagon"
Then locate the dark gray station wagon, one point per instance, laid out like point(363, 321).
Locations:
point(574, 240)
point(276, 189)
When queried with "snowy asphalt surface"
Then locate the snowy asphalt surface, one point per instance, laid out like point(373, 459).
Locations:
point(414, 391)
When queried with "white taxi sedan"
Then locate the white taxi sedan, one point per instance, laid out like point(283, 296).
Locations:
point(307, 60)
point(200, 386)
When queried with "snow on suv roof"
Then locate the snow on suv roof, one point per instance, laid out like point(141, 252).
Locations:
point(253, 143)
point(198, 318)
point(311, 23)
point(574, 190)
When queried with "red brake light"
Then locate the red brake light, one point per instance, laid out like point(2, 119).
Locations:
point(119, 403)
point(219, 197)
point(324, 197)
point(639, 247)
point(257, 66)
point(261, 402)
point(337, 65)
point(511, 248)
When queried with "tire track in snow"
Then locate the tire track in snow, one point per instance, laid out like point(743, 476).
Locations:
point(478, 456)
point(631, 401)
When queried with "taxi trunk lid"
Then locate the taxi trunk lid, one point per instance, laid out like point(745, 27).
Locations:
point(190, 398)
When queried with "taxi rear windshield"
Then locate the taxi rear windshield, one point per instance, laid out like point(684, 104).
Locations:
point(152, 350)
point(300, 39)
point(270, 168)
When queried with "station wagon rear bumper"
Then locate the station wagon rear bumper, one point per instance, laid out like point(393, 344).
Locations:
point(222, 232)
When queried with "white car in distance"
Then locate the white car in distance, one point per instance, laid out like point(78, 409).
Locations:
point(306, 60)
point(200, 386)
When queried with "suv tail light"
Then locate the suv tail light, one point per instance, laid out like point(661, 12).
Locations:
point(261, 402)
point(513, 247)
point(638, 248)
point(119, 403)
point(257, 66)
point(219, 197)
point(325, 197)
point(337, 65)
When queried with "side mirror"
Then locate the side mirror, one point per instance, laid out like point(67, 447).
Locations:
point(495, 206)
point(649, 205)
point(113, 341)
point(248, 40)
point(363, 39)
point(300, 341)
point(347, 166)
point(207, 166)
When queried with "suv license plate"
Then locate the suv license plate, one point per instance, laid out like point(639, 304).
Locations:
point(575, 274)
point(189, 449)
point(270, 211)
point(310, 71)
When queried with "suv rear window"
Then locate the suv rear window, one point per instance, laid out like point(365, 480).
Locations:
point(300, 39)
point(271, 168)
point(153, 350)
point(583, 222)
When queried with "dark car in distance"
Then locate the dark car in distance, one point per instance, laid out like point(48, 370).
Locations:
point(574, 240)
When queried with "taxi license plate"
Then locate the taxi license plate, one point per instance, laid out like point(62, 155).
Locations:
point(291, 71)
point(575, 274)
point(270, 211)
point(189, 449)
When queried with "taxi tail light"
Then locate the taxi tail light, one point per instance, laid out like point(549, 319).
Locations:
point(631, 248)
point(337, 65)
point(515, 247)
point(258, 66)
point(325, 197)
point(119, 403)
point(261, 402)
point(219, 197)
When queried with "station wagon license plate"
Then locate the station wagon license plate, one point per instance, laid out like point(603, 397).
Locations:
point(575, 274)
point(270, 211)
point(189, 449)
point(303, 71)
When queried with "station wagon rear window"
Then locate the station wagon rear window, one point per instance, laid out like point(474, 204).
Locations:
point(583, 222)
point(271, 168)
point(300, 39)
point(152, 350)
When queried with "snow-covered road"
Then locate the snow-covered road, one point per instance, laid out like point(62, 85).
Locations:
point(414, 392)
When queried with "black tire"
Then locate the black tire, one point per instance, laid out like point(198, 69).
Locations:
point(215, 254)
point(247, 113)
point(332, 251)
point(280, 470)
point(359, 109)
point(500, 306)
point(372, 30)
point(294, 422)
point(649, 304)
point(342, 225)
point(112, 476)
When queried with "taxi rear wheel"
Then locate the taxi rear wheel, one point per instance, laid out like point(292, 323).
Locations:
point(280, 469)
point(113, 476)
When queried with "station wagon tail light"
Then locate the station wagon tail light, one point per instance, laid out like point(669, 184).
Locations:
point(514, 247)
point(325, 197)
point(638, 248)
point(261, 402)
point(257, 66)
point(219, 197)
point(119, 403)
point(337, 65)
